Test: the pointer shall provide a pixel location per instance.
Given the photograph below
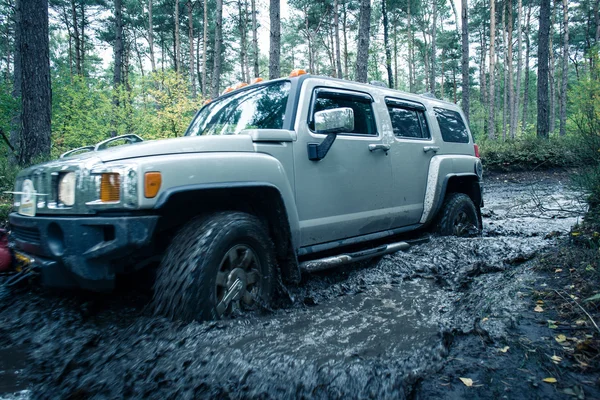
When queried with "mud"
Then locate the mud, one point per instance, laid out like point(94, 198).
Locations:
point(408, 325)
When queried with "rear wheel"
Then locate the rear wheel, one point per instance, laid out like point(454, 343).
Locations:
point(458, 216)
point(216, 267)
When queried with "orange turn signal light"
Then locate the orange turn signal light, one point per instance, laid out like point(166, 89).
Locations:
point(229, 89)
point(207, 101)
point(152, 182)
point(256, 80)
point(110, 188)
point(240, 85)
point(297, 72)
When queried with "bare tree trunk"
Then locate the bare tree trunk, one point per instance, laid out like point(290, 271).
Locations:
point(275, 39)
point(177, 42)
point(34, 138)
point(204, 51)
point(242, 28)
point(511, 78)
point(254, 39)
point(15, 133)
point(345, 32)
point(396, 54)
point(411, 54)
point(190, 8)
point(517, 96)
point(552, 75)
point(386, 44)
point(362, 53)
point(482, 78)
point(492, 97)
point(151, 36)
point(76, 38)
point(465, 57)
point(597, 20)
point(216, 76)
point(246, 49)
point(542, 85)
point(433, 48)
point(527, 52)
point(565, 70)
point(504, 68)
point(118, 47)
point(338, 56)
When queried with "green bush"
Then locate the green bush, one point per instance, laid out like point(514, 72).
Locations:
point(8, 174)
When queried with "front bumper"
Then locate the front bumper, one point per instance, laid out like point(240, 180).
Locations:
point(84, 252)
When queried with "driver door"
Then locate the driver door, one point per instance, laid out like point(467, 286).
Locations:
point(349, 192)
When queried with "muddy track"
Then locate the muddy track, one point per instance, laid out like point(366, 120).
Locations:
point(405, 326)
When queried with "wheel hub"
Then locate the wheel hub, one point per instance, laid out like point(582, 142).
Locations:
point(238, 280)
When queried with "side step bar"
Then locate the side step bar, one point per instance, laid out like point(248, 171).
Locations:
point(347, 258)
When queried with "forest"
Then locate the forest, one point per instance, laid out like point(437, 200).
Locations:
point(74, 72)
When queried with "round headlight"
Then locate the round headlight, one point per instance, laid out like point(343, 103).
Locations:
point(66, 189)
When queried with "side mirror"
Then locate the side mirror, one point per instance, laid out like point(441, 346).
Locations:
point(335, 120)
point(330, 122)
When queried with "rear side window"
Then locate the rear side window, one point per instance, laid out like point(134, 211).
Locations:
point(452, 126)
point(408, 122)
point(364, 120)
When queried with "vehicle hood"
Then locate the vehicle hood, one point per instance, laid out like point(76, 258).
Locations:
point(186, 144)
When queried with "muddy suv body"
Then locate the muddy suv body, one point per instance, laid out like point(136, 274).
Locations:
point(266, 175)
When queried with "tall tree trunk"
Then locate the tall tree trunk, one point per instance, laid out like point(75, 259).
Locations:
point(177, 41)
point(433, 48)
point(542, 85)
point(82, 48)
point(255, 40)
point(246, 49)
point(552, 74)
point(216, 75)
point(597, 20)
point(517, 96)
point(76, 38)
point(509, 64)
point(34, 138)
point(118, 57)
point(504, 76)
point(242, 28)
point(527, 52)
point(396, 54)
point(338, 55)
point(204, 50)
point(386, 44)
point(362, 53)
point(275, 39)
point(151, 36)
point(190, 8)
point(345, 34)
point(565, 70)
point(411, 87)
point(15, 132)
point(465, 57)
point(482, 78)
point(492, 96)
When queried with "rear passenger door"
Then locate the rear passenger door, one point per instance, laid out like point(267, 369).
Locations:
point(411, 153)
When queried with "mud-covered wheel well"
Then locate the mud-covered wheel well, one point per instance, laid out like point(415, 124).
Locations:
point(468, 185)
point(263, 201)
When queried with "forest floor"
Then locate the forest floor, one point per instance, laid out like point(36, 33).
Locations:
point(494, 316)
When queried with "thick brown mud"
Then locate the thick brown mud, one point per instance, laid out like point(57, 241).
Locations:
point(408, 325)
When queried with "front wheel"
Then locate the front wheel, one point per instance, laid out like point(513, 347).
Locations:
point(216, 267)
point(458, 216)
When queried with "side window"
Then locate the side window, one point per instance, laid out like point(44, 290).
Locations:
point(364, 119)
point(452, 126)
point(408, 122)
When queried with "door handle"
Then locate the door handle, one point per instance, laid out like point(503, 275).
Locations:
point(427, 149)
point(379, 146)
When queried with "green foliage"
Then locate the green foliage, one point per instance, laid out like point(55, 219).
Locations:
point(527, 153)
point(8, 173)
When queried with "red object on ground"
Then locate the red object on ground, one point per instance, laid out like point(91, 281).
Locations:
point(5, 257)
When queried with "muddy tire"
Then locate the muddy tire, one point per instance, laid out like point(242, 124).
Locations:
point(212, 259)
point(458, 216)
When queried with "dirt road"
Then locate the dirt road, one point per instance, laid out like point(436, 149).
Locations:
point(407, 326)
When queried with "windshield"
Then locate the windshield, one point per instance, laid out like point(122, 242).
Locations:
point(262, 107)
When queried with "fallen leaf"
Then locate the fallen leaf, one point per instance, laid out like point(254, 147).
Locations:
point(561, 338)
point(576, 233)
point(538, 309)
point(552, 326)
point(580, 322)
point(549, 380)
point(556, 359)
point(593, 298)
point(467, 381)
point(557, 270)
point(540, 302)
point(504, 349)
point(484, 319)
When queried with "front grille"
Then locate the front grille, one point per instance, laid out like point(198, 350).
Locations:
point(30, 235)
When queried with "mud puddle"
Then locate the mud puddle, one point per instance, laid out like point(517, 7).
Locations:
point(384, 329)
